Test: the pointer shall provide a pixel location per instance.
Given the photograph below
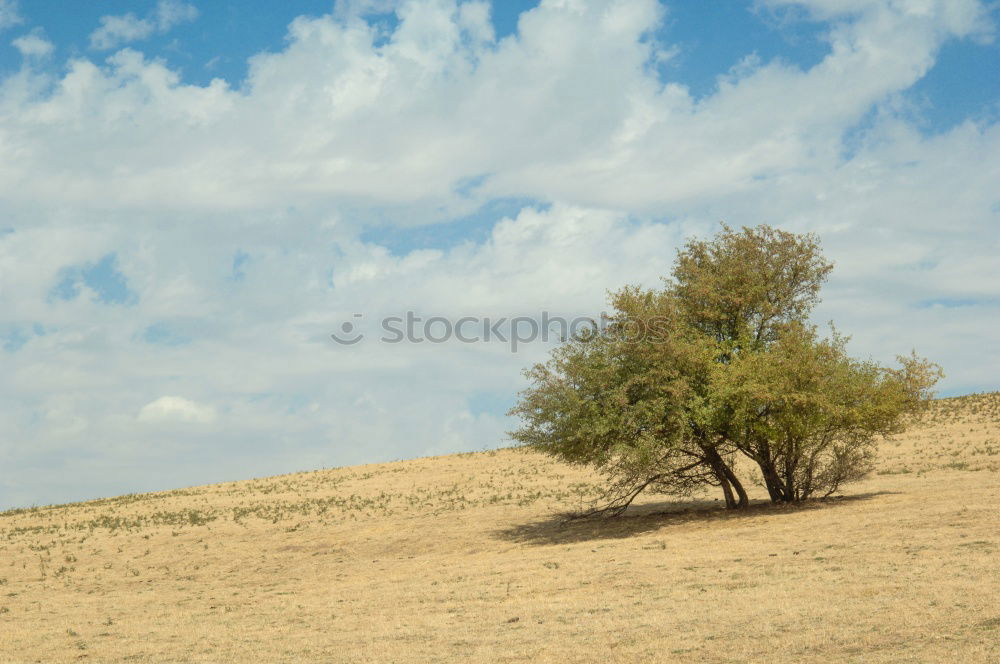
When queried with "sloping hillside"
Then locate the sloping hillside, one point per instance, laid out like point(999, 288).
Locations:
point(463, 558)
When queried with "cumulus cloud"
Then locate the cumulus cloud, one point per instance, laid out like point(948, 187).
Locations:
point(117, 30)
point(176, 409)
point(337, 114)
point(235, 218)
point(34, 44)
point(960, 18)
point(9, 14)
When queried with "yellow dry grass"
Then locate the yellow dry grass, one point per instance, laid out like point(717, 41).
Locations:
point(463, 558)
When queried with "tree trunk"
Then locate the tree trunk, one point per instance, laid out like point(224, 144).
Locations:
point(776, 489)
point(737, 486)
point(727, 491)
point(790, 488)
point(760, 452)
point(727, 479)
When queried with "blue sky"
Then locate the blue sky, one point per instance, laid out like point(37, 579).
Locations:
point(194, 195)
point(217, 44)
point(712, 37)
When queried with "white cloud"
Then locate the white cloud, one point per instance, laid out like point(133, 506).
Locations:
point(9, 14)
point(334, 117)
point(173, 12)
point(117, 30)
point(340, 130)
point(34, 45)
point(176, 409)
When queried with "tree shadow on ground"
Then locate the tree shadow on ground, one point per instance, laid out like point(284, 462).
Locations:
point(563, 529)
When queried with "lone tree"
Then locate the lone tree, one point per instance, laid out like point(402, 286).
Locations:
point(720, 363)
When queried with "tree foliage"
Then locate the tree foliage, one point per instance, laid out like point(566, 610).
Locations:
point(718, 364)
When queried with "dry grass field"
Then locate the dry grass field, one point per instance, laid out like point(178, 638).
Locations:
point(464, 559)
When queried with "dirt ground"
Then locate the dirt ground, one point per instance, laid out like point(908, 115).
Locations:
point(465, 559)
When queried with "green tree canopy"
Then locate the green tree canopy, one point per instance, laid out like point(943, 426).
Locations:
point(720, 363)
